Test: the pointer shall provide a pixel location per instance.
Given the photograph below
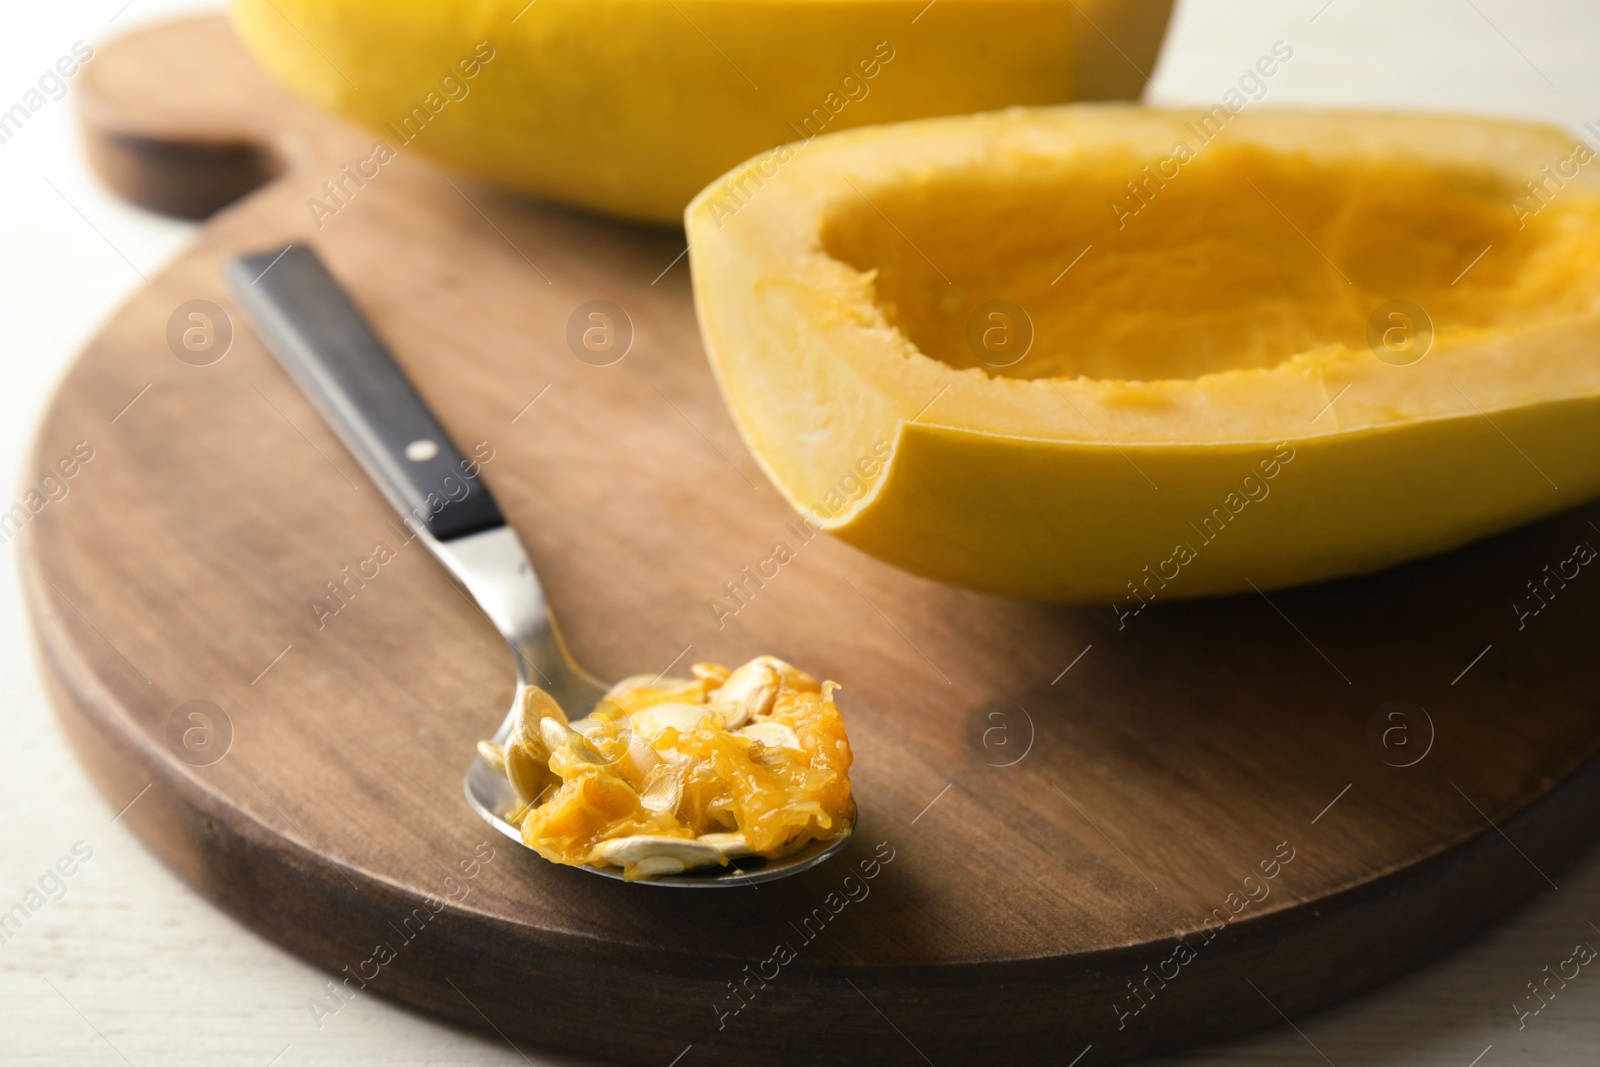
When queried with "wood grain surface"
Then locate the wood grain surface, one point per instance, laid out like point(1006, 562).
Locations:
point(1062, 813)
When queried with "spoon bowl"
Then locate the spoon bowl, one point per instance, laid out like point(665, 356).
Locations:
point(490, 794)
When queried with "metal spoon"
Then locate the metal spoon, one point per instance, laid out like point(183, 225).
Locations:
point(333, 355)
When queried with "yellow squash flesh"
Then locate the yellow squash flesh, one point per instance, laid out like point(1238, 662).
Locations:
point(631, 106)
point(1203, 407)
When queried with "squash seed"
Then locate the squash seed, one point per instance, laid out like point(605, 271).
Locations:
point(792, 676)
point(656, 854)
point(494, 755)
point(748, 693)
point(527, 766)
point(662, 791)
point(557, 736)
point(655, 720)
point(772, 734)
point(730, 845)
point(534, 704)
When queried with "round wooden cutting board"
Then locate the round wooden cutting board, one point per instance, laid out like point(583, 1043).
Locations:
point(1079, 842)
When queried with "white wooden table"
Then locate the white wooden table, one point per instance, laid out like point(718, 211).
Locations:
point(130, 966)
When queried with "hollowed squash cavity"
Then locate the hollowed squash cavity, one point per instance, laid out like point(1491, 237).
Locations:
point(1241, 258)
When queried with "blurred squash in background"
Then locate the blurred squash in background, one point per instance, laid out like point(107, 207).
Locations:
point(630, 107)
